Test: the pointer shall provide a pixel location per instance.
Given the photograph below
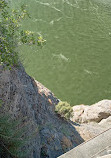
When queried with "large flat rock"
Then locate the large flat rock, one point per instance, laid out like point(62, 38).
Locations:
point(92, 147)
point(105, 156)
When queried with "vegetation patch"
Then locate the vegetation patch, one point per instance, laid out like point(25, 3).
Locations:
point(64, 109)
point(11, 137)
point(12, 34)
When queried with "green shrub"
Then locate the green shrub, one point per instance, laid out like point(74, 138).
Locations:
point(12, 34)
point(12, 140)
point(64, 109)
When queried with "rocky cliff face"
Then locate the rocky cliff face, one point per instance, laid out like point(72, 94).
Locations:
point(22, 96)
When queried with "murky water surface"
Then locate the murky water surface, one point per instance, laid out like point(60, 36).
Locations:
point(76, 61)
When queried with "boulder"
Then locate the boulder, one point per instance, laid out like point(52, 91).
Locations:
point(92, 120)
point(93, 113)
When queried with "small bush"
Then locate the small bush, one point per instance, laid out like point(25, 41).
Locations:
point(64, 109)
point(12, 35)
point(12, 140)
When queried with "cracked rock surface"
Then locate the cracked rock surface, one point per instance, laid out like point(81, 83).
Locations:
point(22, 96)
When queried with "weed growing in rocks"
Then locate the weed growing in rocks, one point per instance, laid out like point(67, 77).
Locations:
point(64, 110)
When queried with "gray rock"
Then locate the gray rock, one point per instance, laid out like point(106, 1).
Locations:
point(92, 119)
point(24, 97)
point(93, 113)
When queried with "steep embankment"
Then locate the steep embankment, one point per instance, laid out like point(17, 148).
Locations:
point(22, 97)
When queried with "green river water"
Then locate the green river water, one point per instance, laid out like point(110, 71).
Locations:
point(75, 63)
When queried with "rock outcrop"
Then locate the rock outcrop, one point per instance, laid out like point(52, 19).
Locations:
point(22, 96)
point(93, 119)
point(93, 113)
